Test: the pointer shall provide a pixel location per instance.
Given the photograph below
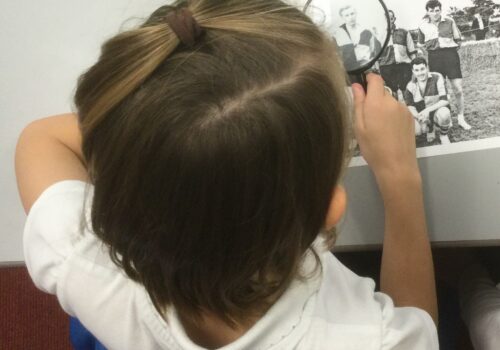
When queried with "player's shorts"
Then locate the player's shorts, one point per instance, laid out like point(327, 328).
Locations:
point(396, 76)
point(445, 61)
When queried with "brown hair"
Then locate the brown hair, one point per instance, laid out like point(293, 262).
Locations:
point(213, 165)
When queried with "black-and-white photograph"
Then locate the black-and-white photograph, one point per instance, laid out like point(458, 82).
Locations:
point(358, 30)
point(442, 60)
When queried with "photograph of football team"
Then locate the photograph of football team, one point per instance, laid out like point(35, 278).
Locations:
point(443, 62)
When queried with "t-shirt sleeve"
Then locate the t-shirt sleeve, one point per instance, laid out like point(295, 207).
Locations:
point(456, 32)
point(410, 44)
point(53, 226)
point(406, 327)
point(421, 37)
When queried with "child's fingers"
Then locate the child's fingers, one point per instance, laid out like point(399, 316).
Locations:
point(359, 101)
point(376, 87)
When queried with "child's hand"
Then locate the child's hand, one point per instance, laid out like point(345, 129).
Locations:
point(385, 131)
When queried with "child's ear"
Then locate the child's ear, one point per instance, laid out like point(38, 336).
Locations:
point(337, 207)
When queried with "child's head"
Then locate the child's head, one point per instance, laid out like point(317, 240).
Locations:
point(214, 165)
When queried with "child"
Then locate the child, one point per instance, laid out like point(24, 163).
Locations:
point(212, 141)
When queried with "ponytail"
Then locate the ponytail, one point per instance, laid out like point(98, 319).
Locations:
point(129, 58)
point(126, 61)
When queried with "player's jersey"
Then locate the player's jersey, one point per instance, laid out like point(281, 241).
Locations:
point(435, 90)
point(443, 35)
point(399, 49)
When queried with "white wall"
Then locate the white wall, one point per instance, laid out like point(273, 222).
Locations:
point(45, 45)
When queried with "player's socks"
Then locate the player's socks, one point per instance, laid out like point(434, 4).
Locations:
point(443, 131)
point(463, 124)
point(431, 136)
point(445, 140)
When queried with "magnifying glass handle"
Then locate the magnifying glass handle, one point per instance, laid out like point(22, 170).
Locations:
point(359, 78)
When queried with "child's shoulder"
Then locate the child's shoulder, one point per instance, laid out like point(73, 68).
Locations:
point(348, 309)
point(345, 296)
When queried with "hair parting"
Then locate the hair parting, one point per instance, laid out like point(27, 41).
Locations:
point(213, 162)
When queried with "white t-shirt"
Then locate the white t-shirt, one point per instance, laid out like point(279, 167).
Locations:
point(334, 309)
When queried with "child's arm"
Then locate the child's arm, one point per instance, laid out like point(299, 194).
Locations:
point(385, 132)
point(48, 151)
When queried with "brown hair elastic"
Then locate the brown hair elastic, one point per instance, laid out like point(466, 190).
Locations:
point(184, 25)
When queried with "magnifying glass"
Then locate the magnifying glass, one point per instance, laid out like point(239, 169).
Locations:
point(361, 29)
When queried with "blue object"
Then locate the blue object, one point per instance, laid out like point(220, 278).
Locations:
point(81, 338)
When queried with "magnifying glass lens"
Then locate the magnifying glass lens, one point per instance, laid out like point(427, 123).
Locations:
point(361, 29)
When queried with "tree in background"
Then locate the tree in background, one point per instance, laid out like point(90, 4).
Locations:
point(463, 17)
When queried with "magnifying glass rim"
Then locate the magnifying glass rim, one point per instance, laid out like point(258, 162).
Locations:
point(370, 64)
